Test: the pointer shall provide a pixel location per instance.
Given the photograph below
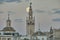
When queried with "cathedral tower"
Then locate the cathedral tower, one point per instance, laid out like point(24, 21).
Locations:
point(30, 22)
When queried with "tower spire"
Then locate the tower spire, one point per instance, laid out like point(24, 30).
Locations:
point(8, 21)
point(30, 3)
point(51, 33)
point(51, 30)
point(39, 27)
point(8, 16)
point(30, 11)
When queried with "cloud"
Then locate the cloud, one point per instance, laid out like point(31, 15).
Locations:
point(57, 19)
point(56, 11)
point(2, 1)
point(12, 0)
point(40, 11)
point(11, 12)
point(18, 20)
point(26, 0)
point(1, 12)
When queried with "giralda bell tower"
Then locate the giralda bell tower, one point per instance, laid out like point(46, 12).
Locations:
point(30, 22)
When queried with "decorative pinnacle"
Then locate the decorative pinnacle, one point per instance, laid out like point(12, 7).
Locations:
point(39, 27)
point(51, 27)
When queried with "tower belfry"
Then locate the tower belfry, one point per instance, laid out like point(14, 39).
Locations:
point(30, 27)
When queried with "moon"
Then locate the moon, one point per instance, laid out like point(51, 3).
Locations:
point(27, 9)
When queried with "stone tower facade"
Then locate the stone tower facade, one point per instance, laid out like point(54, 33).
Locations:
point(30, 22)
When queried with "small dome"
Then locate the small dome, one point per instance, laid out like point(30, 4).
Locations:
point(8, 29)
point(38, 33)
